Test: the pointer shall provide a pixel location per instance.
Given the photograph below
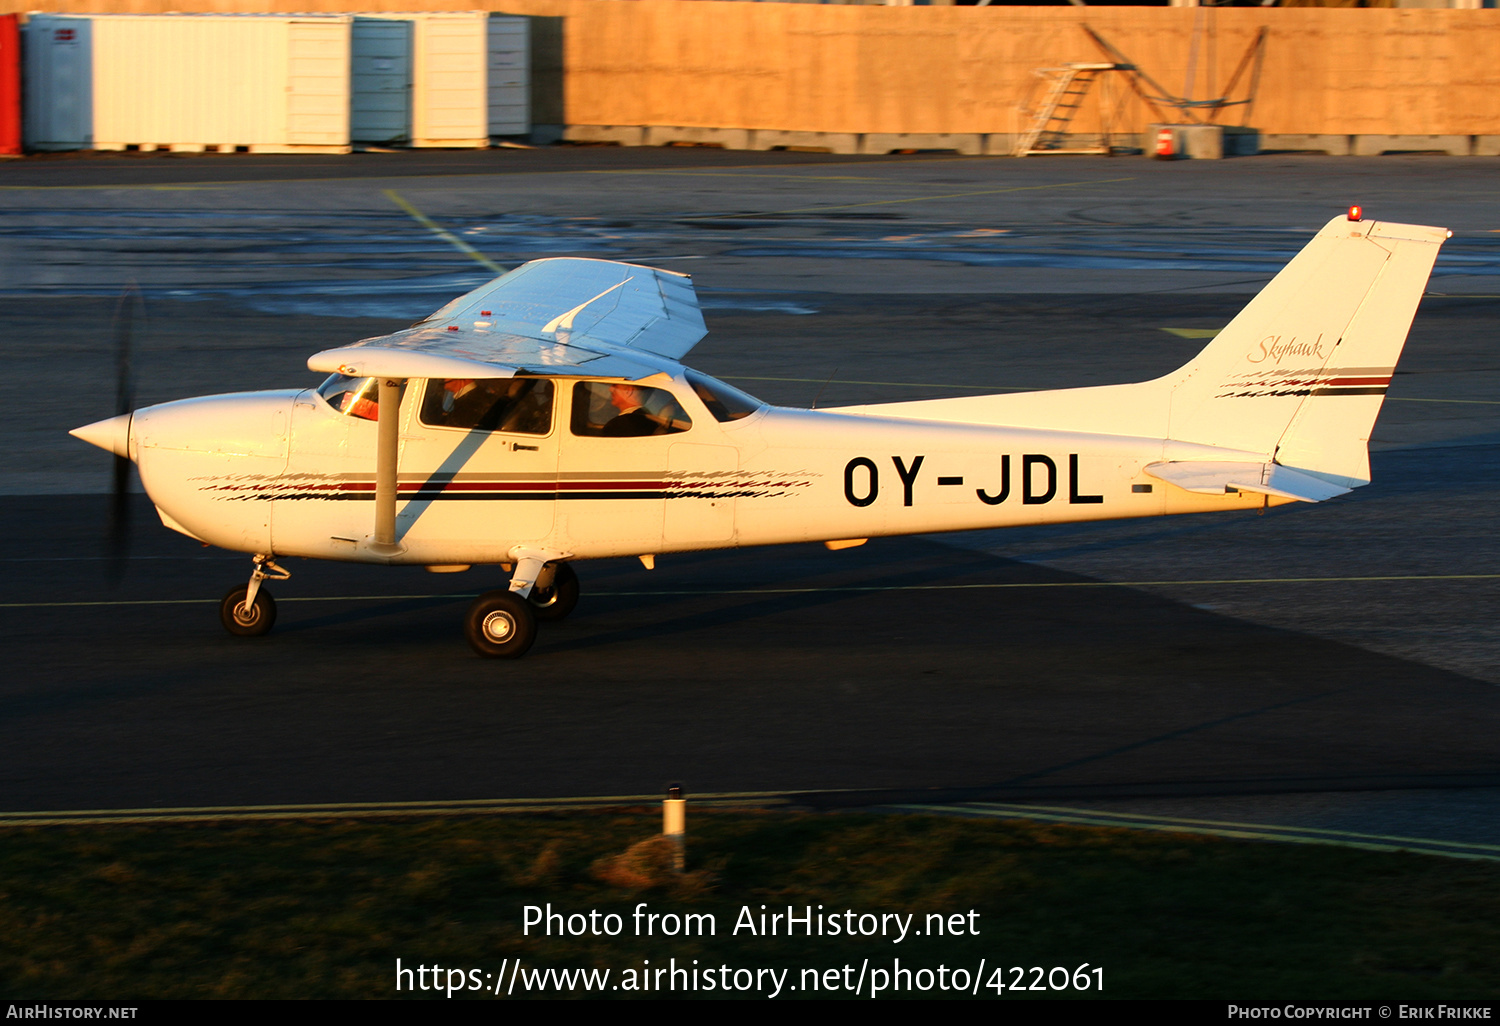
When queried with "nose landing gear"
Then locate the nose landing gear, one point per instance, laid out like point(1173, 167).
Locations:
point(249, 611)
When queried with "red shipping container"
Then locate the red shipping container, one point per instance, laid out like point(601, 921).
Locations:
point(10, 85)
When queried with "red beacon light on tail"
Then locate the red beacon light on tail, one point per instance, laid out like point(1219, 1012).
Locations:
point(1356, 213)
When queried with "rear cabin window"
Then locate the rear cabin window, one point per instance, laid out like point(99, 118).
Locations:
point(603, 409)
point(521, 406)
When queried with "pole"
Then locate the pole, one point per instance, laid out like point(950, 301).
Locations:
point(387, 448)
point(674, 825)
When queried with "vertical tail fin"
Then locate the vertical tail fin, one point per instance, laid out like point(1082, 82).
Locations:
point(1301, 372)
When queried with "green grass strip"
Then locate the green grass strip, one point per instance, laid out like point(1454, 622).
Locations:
point(323, 908)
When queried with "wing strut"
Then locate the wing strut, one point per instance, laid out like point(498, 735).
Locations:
point(387, 452)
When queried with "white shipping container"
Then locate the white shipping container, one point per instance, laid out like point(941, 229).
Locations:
point(191, 82)
point(509, 75)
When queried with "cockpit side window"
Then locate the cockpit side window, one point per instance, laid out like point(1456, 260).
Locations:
point(353, 397)
point(725, 402)
point(516, 405)
point(623, 409)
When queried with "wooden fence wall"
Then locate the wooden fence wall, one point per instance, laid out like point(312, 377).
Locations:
point(844, 68)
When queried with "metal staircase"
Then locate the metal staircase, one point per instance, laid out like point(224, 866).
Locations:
point(1064, 88)
point(1063, 92)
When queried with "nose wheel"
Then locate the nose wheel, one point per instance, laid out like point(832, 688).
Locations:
point(247, 621)
point(249, 611)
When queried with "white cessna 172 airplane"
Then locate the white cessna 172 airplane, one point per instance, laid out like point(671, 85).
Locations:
point(544, 418)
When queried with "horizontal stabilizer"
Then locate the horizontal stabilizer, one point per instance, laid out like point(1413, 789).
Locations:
point(1266, 478)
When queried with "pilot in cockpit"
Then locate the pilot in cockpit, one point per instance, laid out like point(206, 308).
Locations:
point(632, 421)
point(491, 404)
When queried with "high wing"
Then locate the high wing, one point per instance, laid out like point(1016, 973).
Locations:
point(560, 315)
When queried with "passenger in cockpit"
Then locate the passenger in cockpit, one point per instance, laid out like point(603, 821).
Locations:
point(521, 405)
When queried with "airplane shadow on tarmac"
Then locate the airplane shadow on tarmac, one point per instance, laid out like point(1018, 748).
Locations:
point(907, 670)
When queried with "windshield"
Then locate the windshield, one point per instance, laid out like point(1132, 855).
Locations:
point(353, 397)
point(725, 402)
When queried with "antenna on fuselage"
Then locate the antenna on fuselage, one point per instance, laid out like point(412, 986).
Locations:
point(814, 405)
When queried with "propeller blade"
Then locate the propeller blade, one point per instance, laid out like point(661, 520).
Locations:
point(122, 328)
point(123, 331)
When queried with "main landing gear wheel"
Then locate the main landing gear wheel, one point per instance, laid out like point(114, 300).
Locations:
point(247, 623)
point(558, 599)
point(500, 624)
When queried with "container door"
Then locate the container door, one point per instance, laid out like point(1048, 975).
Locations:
point(509, 76)
point(380, 103)
point(59, 83)
point(317, 87)
point(448, 99)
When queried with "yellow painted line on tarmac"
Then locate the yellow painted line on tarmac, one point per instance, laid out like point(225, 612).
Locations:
point(911, 199)
point(835, 589)
point(441, 232)
point(1193, 332)
point(1218, 828)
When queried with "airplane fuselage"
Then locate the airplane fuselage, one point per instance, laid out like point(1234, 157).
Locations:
point(286, 473)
